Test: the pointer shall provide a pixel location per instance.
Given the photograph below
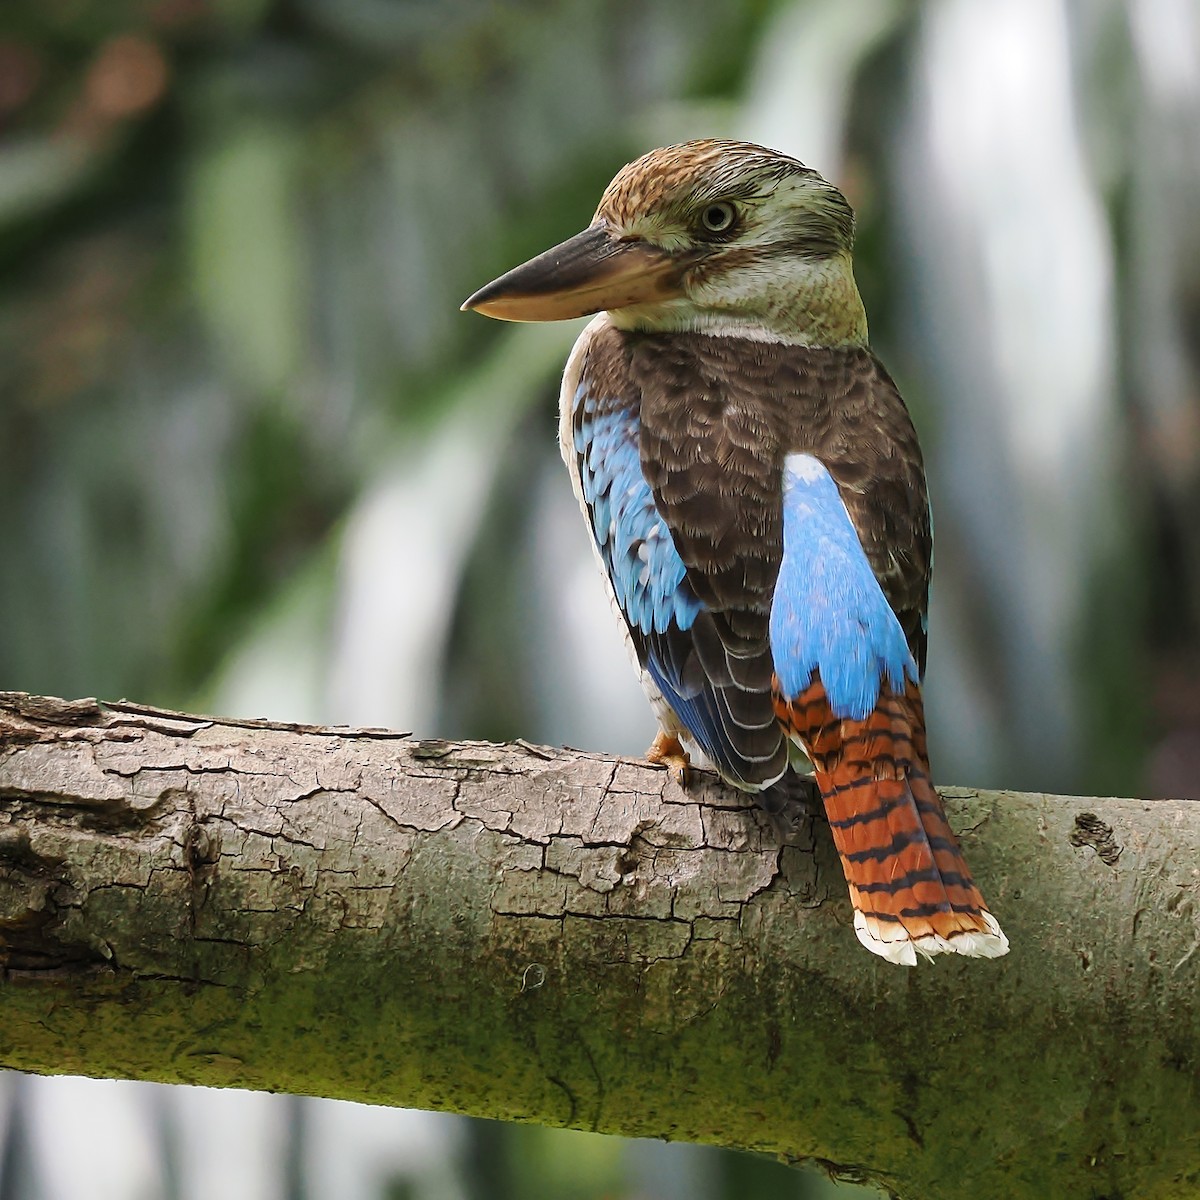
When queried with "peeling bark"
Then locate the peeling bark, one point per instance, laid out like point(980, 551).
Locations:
point(544, 935)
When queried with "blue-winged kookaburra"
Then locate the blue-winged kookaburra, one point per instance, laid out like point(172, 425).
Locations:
point(754, 491)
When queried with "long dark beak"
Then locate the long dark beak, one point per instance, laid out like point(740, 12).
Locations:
point(586, 274)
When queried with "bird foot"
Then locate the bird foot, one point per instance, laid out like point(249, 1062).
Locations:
point(667, 751)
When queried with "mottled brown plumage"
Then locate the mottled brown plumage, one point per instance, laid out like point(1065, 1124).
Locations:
point(756, 496)
point(743, 405)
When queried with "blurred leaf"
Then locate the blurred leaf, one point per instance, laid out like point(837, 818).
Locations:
point(567, 1164)
point(36, 172)
point(241, 16)
point(247, 252)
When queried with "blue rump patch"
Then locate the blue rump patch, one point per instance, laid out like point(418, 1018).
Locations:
point(829, 614)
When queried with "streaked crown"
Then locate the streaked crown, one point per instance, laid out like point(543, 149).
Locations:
point(673, 184)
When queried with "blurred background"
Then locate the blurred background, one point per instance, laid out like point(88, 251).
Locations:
point(253, 460)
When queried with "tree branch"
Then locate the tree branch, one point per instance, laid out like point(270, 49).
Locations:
point(567, 938)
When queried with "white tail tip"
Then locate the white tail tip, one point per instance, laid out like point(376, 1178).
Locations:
point(903, 949)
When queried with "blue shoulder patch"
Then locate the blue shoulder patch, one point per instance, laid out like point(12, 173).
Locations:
point(647, 574)
point(829, 614)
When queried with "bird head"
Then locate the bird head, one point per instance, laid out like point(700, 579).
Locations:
point(717, 236)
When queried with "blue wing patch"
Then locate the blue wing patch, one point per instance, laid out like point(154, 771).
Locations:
point(829, 614)
point(647, 573)
point(648, 576)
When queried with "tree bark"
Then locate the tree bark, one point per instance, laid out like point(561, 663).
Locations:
point(570, 939)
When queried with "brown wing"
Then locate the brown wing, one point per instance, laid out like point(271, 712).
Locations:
point(697, 630)
point(719, 415)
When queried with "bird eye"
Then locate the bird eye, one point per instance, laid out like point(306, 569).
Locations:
point(718, 218)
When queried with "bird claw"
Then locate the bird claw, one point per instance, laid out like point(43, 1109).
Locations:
point(667, 751)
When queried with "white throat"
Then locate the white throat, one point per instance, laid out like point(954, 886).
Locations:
point(794, 301)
